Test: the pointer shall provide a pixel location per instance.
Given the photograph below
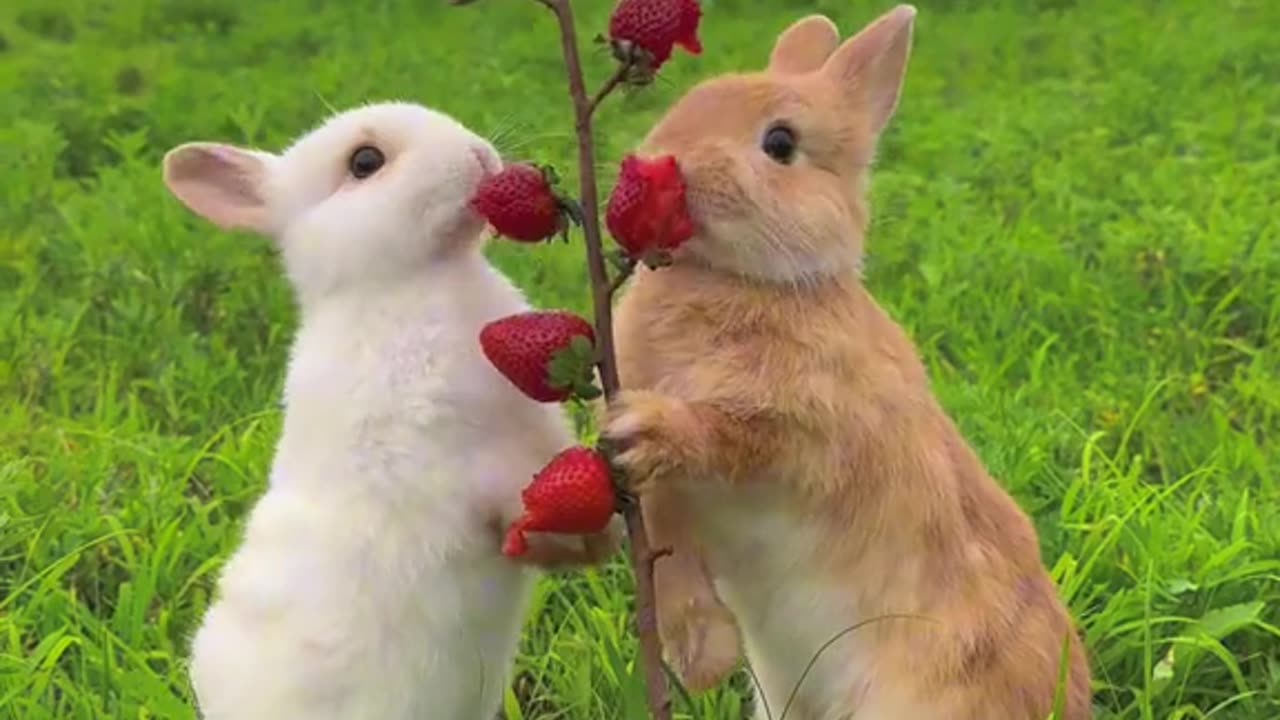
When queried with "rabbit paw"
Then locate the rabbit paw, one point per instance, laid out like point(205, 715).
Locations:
point(701, 642)
point(650, 434)
point(557, 553)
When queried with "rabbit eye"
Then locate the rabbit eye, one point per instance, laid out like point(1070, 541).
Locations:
point(365, 161)
point(780, 144)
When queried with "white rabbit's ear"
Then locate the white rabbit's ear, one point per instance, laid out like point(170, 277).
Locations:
point(804, 45)
point(221, 183)
point(872, 65)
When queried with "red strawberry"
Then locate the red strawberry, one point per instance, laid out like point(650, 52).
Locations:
point(647, 210)
point(520, 203)
point(690, 16)
point(572, 494)
point(538, 350)
point(654, 26)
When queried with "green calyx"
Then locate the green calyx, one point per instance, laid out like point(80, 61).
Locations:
point(571, 368)
point(549, 174)
point(570, 209)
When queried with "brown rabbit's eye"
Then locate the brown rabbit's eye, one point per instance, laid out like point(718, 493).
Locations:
point(365, 161)
point(780, 144)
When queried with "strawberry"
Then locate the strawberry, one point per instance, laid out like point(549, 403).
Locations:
point(644, 32)
point(647, 211)
point(572, 494)
point(547, 354)
point(521, 204)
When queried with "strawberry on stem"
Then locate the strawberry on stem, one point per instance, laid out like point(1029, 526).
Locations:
point(547, 354)
point(636, 68)
point(648, 213)
point(572, 494)
point(521, 203)
point(643, 33)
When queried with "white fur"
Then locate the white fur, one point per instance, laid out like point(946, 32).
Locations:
point(801, 631)
point(369, 585)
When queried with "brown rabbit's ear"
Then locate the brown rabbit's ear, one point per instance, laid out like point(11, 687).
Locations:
point(805, 45)
point(871, 65)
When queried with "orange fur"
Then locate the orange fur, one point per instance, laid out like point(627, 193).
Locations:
point(781, 430)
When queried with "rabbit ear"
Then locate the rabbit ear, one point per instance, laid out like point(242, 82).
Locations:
point(805, 45)
point(871, 65)
point(221, 183)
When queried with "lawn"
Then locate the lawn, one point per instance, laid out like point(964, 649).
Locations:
point(1077, 219)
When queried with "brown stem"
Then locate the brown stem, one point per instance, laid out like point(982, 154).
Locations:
point(590, 197)
point(621, 277)
point(642, 557)
point(613, 82)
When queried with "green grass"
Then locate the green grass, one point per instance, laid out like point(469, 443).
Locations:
point(1077, 218)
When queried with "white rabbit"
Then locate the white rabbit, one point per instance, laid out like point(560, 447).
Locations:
point(370, 585)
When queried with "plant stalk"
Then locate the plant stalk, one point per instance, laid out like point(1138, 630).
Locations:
point(643, 556)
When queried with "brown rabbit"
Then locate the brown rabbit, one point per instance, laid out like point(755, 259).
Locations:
point(781, 431)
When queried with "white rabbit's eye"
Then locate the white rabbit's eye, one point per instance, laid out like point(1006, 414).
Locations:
point(365, 161)
point(780, 144)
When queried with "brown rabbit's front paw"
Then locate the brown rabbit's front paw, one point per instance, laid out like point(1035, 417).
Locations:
point(648, 432)
point(701, 643)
